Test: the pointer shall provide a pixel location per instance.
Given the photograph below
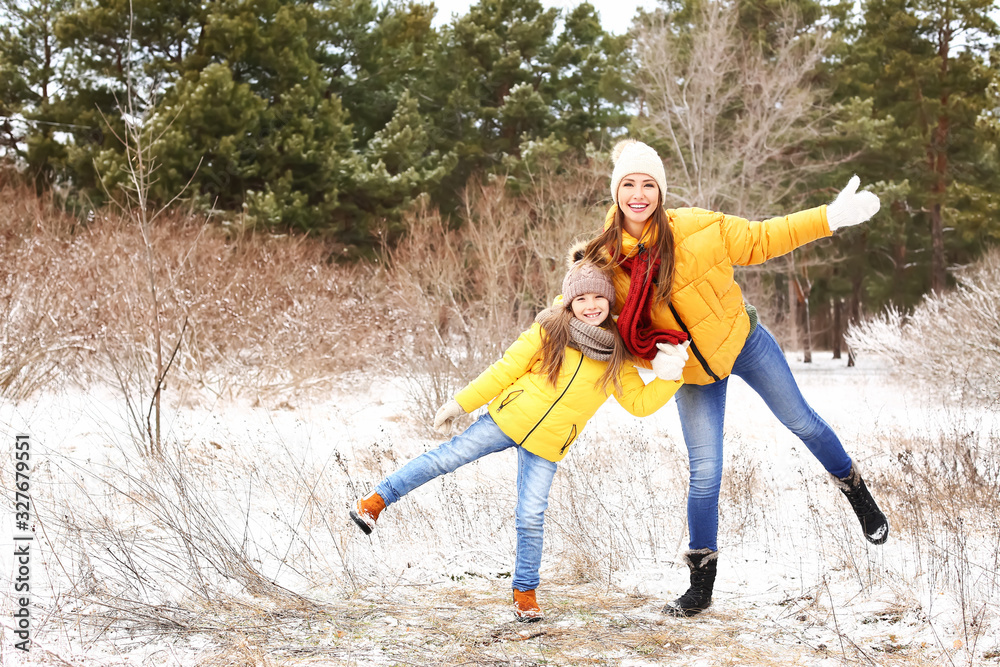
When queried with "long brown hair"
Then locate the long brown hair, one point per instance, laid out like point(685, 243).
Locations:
point(607, 246)
point(556, 337)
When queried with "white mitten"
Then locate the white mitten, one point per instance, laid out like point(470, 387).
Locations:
point(851, 207)
point(668, 364)
point(446, 413)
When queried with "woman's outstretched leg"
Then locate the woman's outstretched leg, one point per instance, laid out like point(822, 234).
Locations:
point(764, 367)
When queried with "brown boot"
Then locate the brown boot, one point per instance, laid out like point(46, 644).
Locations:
point(366, 511)
point(526, 609)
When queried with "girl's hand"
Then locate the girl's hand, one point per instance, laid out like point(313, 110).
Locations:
point(445, 414)
point(668, 364)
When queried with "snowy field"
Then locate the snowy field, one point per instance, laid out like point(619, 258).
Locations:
point(235, 548)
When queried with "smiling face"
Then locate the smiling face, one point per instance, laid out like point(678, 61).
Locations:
point(591, 308)
point(638, 196)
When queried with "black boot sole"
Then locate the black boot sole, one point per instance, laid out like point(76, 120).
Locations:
point(878, 539)
point(361, 523)
point(680, 612)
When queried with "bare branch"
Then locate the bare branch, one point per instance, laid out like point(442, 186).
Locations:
point(736, 119)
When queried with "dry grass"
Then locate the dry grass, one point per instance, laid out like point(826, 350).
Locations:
point(615, 507)
point(945, 496)
point(238, 551)
point(248, 315)
point(470, 626)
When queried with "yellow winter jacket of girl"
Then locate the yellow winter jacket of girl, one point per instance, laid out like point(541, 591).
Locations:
point(546, 419)
point(706, 246)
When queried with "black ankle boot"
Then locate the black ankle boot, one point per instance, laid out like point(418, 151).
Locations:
point(703, 564)
point(873, 522)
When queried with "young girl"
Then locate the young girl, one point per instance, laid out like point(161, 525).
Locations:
point(550, 381)
point(673, 269)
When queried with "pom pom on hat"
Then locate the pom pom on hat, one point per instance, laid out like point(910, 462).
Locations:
point(634, 157)
point(585, 277)
point(616, 152)
point(576, 253)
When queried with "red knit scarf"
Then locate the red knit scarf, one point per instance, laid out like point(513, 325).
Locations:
point(635, 322)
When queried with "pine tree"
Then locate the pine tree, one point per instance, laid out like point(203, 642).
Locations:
point(398, 167)
point(496, 46)
point(326, 115)
point(587, 81)
point(373, 53)
point(236, 100)
point(924, 66)
point(31, 68)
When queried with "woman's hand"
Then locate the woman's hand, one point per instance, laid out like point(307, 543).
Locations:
point(445, 414)
point(851, 207)
point(668, 364)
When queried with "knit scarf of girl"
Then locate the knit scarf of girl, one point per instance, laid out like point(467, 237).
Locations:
point(595, 343)
point(635, 322)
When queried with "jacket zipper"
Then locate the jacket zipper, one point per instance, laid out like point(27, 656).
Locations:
point(572, 436)
point(568, 384)
point(508, 398)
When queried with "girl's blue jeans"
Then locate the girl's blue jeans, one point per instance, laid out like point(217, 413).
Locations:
point(534, 479)
point(702, 410)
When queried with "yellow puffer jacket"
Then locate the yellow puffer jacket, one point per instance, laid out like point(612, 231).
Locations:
point(705, 294)
point(545, 420)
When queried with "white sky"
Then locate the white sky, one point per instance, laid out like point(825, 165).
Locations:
point(616, 15)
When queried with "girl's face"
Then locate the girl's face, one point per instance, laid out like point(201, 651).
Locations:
point(591, 308)
point(638, 196)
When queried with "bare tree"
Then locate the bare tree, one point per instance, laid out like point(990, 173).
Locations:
point(138, 138)
point(736, 121)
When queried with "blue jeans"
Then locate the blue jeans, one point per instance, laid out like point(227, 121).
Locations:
point(702, 410)
point(534, 479)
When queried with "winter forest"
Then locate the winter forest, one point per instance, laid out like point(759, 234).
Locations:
point(250, 247)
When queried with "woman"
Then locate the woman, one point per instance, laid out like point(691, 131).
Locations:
point(550, 381)
point(674, 270)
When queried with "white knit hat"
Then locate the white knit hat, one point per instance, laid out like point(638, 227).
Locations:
point(634, 157)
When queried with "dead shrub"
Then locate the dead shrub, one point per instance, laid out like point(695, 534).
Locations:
point(265, 315)
point(959, 355)
point(34, 350)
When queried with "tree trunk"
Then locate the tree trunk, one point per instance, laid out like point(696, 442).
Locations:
point(855, 312)
point(939, 166)
point(838, 328)
point(802, 299)
point(937, 249)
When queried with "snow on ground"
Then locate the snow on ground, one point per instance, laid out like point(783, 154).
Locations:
point(237, 548)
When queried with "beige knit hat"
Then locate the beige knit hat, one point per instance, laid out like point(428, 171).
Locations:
point(586, 278)
point(634, 157)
